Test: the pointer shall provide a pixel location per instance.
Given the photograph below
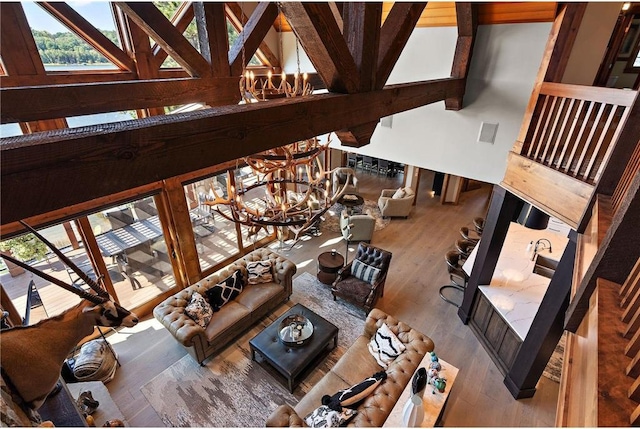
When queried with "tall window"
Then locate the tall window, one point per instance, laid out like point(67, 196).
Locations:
point(33, 297)
point(215, 235)
point(134, 251)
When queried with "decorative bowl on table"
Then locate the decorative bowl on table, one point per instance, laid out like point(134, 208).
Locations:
point(295, 330)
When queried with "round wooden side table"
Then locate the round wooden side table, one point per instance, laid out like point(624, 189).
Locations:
point(329, 263)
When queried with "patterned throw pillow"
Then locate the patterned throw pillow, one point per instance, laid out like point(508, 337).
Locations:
point(259, 272)
point(224, 292)
point(325, 417)
point(385, 346)
point(199, 310)
point(364, 272)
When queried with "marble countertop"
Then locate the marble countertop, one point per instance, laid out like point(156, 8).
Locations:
point(515, 291)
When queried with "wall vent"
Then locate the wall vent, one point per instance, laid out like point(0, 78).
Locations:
point(487, 132)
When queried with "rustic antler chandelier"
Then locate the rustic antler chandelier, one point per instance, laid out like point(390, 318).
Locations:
point(297, 189)
point(252, 89)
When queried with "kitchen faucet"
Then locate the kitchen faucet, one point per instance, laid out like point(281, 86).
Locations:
point(536, 248)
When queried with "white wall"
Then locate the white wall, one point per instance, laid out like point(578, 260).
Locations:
point(503, 69)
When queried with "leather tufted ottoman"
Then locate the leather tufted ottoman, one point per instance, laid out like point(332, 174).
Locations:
point(357, 364)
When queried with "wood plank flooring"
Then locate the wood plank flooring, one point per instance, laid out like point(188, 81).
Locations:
point(418, 244)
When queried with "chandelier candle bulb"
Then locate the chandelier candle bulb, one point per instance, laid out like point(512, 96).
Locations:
point(283, 82)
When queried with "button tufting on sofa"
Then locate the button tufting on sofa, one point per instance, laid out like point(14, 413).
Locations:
point(201, 343)
point(374, 409)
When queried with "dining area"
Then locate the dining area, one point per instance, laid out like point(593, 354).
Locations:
point(373, 165)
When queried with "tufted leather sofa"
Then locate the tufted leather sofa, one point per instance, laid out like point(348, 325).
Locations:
point(236, 316)
point(356, 365)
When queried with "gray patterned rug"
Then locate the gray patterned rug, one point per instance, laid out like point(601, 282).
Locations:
point(332, 216)
point(232, 390)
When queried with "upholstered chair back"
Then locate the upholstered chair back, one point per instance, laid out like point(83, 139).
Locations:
point(374, 256)
point(340, 177)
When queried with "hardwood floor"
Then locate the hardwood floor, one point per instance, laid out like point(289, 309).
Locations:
point(418, 244)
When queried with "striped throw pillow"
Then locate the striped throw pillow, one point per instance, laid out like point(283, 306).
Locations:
point(259, 272)
point(364, 272)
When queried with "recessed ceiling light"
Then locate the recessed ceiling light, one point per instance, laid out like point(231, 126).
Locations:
point(626, 6)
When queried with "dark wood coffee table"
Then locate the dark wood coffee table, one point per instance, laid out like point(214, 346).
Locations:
point(328, 266)
point(293, 362)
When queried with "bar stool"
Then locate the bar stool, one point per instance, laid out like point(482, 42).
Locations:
point(465, 247)
point(467, 235)
point(457, 276)
point(478, 223)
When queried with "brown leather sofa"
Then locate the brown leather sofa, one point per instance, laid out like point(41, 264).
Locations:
point(356, 365)
point(236, 316)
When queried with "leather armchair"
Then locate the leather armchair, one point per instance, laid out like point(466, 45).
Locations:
point(395, 207)
point(340, 176)
point(359, 226)
point(360, 292)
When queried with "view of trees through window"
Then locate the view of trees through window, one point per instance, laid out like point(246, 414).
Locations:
point(58, 47)
point(67, 48)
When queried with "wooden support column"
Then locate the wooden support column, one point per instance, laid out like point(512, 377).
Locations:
point(183, 244)
point(546, 329)
point(412, 180)
point(93, 251)
point(71, 235)
point(503, 208)
point(451, 189)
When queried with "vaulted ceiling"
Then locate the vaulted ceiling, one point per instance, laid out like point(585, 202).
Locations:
point(352, 46)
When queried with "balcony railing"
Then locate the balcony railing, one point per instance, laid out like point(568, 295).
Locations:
point(574, 128)
point(567, 137)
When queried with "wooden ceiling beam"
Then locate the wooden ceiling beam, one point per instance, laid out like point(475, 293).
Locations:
point(361, 21)
point(146, 64)
point(20, 57)
point(181, 20)
point(212, 36)
point(394, 35)
point(17, 46)
point(357, 135)
point(316, 29)
point(63, 78)
point(87, 32)
point(252, 35)
point(99, 160)
point(160, 29)
point(467, 18)
point(236, 16)
point(44, 102)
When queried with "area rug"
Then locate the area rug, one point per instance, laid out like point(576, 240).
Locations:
point(332, 216)
point(553, 370)
point(234, 391)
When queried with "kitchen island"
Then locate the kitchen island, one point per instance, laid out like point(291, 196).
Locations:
point(515, 291)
